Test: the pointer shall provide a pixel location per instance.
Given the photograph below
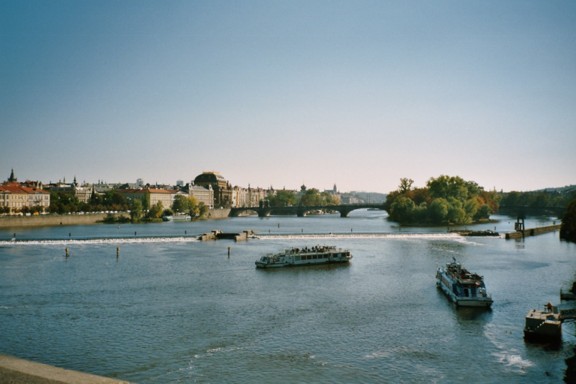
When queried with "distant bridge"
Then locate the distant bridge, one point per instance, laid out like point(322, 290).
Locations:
point(301, 211)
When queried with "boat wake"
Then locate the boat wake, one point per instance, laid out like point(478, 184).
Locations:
point(511, 358)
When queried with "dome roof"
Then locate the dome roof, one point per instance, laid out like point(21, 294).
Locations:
point(209, 178)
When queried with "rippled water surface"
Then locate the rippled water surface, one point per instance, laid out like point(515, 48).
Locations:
point(151, 304)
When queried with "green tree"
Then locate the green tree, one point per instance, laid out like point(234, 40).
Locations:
point(63, 202)
point(196, 209)
point(181, 204)
point(438, 210)
point(568, 227)
point(448, 186)
point(310, 197)
point(483, 213)
point(471, 206)
point(201, 210)
point(155, 211)
point(405, 185)
point(456, 212)
point(282, 198)
point(402, 210)
point(115, 201)
point(445, 200)
point(136, 210)
point(326, 198)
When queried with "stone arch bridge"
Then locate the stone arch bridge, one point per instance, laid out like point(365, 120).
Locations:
point(301, 211)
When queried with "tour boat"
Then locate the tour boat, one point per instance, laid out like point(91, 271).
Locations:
point(305, 256)
point(464, 288)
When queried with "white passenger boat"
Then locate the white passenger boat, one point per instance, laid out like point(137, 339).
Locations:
point(305, 256)
point(464, 288)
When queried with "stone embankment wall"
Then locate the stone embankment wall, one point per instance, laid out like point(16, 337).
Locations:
point(50, 220)
point(75, 219)
point(218, 213)
point(14, 370)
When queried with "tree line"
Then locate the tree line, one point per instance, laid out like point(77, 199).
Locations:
point(451, 200)
point(307, 197)
point(445, 200)
point(545, 201)
point(65, 202)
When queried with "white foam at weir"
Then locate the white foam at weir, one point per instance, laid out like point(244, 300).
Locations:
point(407, 236)
point(111, 240)
point(190, 239)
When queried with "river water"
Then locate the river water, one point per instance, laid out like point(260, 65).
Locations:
point(151, 304)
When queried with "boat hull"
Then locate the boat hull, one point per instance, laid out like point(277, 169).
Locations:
point(283, 265)
point(463, 301)
point(297, 257)
point(462, 287)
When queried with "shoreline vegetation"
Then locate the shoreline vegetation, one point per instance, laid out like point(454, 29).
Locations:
point(445, 200)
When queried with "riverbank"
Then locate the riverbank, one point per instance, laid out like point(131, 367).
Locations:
point(51, 220)
point(78, 219)
point(14, 370)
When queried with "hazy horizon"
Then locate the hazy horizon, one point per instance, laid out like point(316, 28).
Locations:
point(283, 94)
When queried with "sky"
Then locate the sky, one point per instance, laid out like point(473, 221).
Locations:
point(271, 93)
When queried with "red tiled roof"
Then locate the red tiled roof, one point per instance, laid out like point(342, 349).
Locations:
point(20, 189)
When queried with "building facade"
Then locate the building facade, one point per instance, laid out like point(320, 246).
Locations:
point(248, 197)
point(202, 195)
point(151, 196)
point(16, 198)
point(220, 186)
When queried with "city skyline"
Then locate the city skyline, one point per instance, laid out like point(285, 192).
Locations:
point(284, 94)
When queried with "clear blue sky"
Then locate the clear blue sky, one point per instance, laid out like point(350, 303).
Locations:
point(284, 93)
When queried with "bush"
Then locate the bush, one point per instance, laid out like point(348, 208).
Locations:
point(568, 227)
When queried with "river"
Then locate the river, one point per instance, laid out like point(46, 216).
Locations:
point(151, 304)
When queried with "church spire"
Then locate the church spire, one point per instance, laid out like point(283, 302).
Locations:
point(12, 178)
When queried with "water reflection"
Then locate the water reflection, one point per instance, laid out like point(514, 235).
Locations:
point(173, 309)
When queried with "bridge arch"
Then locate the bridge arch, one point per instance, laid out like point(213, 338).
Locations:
point(300, 211)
